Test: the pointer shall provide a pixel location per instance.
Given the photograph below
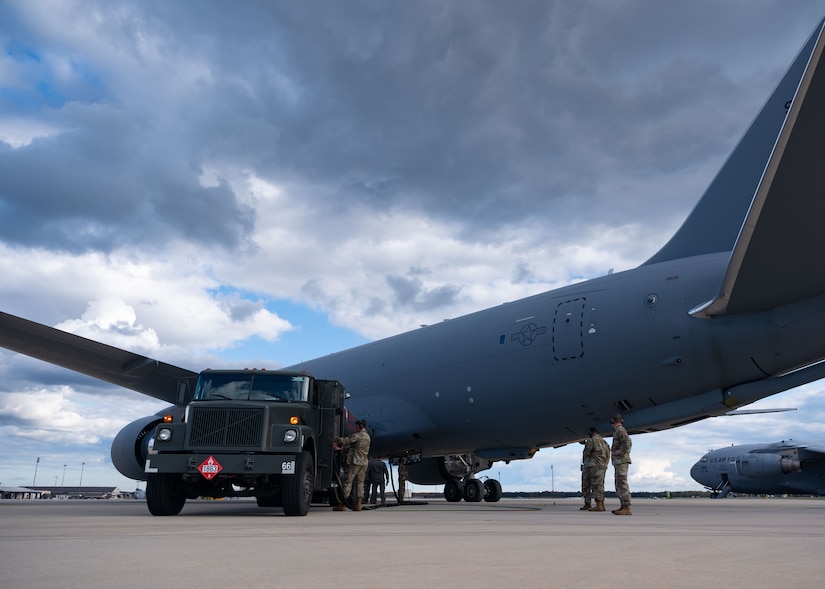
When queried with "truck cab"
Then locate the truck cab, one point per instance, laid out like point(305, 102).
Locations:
point(248, 433)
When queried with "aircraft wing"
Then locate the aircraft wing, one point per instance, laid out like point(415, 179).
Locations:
point(812, 450)
point(805, 450)
point(126, 369)
point(771, 263)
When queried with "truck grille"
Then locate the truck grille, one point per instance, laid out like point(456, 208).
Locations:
point(226, 427)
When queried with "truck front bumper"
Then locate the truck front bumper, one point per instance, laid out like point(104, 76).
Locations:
point(210, 465)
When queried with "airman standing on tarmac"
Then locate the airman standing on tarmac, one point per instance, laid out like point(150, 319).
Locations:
point(402, 479)
point(377, 478)
point(595, 457)
point(620, 451)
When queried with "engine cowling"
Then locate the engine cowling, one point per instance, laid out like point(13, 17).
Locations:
point(130, 446)
point(761, 466)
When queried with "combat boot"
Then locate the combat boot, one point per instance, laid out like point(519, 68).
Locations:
point(357, 506)
point(623, 510)
point(340, 507)
point(586, 507)
point(599, 506)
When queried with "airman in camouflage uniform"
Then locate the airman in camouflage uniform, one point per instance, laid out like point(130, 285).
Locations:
point(402, 479)
point(357, 461)
point(595, 457)
point(620, 451)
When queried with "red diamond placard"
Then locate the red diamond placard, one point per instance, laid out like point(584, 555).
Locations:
point(210, 468)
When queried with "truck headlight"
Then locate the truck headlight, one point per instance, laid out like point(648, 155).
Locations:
point(164, 434)
point(290, 436)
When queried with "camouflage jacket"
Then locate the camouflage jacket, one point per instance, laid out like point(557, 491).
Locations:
point(621, 446)
point(359, 447)
point(596, 452)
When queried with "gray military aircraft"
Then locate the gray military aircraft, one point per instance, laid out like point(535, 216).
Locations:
point(729, 311)
point(764, 469)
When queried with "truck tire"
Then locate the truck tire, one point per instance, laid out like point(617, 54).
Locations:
point(270, 501)
point(162, 494)
point(298, 488)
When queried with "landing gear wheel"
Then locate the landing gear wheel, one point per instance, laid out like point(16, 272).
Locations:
point(163, 497)
point(473, 491)
point(298, 488)
point(492, 490)
point(453, 491)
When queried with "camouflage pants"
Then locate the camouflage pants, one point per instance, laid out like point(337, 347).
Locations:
point(622, 490)
point(593, 483)
point(355, 474)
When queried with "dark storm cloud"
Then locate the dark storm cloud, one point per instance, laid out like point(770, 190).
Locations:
point(479, 113)
point(410, 292)
point(107, 183)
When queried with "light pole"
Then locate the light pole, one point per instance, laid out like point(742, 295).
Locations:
point(552, 480)
point(82, 465)
point(34, 481)
point(63, 480)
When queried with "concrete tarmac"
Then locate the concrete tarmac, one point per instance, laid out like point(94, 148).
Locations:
point(695, 543)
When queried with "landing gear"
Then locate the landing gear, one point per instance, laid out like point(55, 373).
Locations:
point(492, 490)
point(472, 490)
point(453, 491)
point(460, 472)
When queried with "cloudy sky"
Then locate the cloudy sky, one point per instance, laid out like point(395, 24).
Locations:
point(259, 183)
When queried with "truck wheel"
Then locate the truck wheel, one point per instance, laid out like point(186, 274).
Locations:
point(270, 501)
point(162, 495)
point(298, 488)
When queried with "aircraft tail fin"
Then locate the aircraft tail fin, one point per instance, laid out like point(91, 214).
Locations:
point(776, 259)
point(715, 222)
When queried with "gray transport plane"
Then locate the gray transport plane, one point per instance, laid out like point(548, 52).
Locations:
point(765, 469)
point(729, 311)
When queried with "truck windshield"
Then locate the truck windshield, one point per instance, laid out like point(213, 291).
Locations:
point(251, 386)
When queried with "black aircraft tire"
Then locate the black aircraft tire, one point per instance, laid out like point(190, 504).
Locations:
point(162, 494)
point(453, 491)
point(492, 490)
point(298, 487)
point(473, 491)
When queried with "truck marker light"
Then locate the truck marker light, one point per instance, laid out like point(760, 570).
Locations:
point(293, 420)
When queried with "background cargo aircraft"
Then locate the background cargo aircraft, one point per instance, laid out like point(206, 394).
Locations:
point(778, 468)
point(729, 311)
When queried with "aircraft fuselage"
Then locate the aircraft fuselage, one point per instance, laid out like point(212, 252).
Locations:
point(764, 469)
point(566, 360)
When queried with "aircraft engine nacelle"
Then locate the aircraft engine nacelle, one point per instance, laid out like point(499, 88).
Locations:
point(440, 469)
point(761, 466)
point(130, 446)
